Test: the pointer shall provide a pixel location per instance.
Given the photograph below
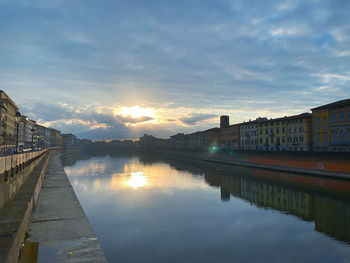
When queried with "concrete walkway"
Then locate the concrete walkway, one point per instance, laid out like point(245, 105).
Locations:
point(59, 225)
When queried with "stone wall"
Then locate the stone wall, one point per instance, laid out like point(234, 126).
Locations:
point(14, 171)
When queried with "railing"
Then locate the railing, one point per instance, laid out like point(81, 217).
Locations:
point(10, 163)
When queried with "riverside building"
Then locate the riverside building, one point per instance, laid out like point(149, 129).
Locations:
point(249, 135)
point(331, 126)
point(299, 130)
point(272, 135)
point(230, 137)
point(8, 127)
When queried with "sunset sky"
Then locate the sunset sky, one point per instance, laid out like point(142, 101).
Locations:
point(110, 69)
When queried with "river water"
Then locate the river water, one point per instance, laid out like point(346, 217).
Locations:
point(148, 208)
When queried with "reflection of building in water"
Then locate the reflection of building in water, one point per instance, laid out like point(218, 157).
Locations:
point(230, 185)
point(250, 191)
point(267, 195)
point(333, 218)
point(286, 200)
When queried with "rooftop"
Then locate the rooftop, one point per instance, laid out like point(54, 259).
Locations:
point(339, 103)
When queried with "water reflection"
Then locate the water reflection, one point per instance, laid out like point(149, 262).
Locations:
point(137, 180)
point(159, 201)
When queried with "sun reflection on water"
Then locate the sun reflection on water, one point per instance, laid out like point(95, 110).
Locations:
point(137, 180)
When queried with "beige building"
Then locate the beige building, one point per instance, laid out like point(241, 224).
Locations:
point(299, 132)
point(8, 111)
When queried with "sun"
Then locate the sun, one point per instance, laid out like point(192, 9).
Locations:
point(137, 112)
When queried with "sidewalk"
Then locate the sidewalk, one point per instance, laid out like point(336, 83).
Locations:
point(59, 225)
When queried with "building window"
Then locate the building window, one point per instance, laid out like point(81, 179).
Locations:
point(324, 119)
point(260, 132)
point(278, 130)
point(301, 139)
point(283, 139)
point(318, 120)
point(318, 139)
point(271, 130)
point(325, 137)
point(334, 117)
point(266, 131)
point(271, 140)
point(267, 141)
point(283, 130)
point(334, 135)
point(341, 116)
point(342, 136)
point(260, 140)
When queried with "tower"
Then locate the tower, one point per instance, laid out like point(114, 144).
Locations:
point(224, 121)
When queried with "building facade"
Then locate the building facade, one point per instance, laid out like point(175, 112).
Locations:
point(8, 127)
point(272, 135)
point(56, 138)
point(249, 135)
point(211, 138)
point(331, 126)
point(28, 132)
point(178, 141)
point(70, 140)
point(320, 129)
point(230, 137)
point(299, 132)
point(340, 127)
point(196, 140)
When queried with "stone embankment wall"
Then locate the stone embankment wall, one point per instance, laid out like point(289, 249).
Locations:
point(332, 165)
point(14, 171)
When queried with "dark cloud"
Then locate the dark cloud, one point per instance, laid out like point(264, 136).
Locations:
point(195, 118)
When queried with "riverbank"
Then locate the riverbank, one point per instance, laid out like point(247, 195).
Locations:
point(336, 166)
point(59, 228)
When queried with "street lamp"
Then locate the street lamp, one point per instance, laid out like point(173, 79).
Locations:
point(18, 119)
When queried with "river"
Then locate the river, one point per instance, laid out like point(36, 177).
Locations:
point(148, 208)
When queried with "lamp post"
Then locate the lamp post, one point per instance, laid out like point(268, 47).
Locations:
point(18, 119)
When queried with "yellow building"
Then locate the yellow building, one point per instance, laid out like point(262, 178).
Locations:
point(230, 137)
point(299, 132)
point(8, 111)
point(272, 134)
point(331, 126)
point(320, 128)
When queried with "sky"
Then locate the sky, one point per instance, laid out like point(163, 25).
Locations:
point(111, 69)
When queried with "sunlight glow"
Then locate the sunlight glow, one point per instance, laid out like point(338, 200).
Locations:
point(137, 112)
point(137, 180)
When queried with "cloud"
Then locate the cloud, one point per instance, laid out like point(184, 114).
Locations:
point(196, 118)
point(246, 58)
